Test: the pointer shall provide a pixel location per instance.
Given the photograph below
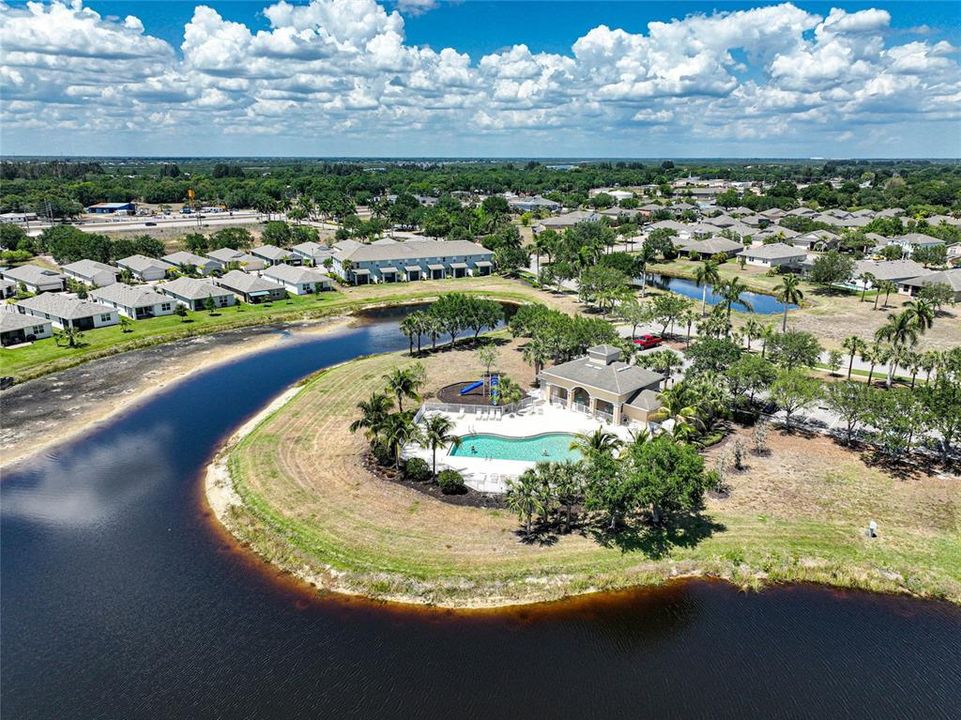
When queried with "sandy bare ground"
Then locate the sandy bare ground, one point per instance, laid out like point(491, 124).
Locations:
point(55, 408)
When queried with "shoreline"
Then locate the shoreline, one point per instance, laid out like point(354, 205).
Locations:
point(252, 530)
point(148, 387)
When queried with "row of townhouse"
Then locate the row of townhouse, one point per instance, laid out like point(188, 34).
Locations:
point(393, 261)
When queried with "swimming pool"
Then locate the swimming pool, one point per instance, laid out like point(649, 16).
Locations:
point(534, 448)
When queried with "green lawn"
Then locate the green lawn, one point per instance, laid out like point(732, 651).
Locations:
point(45, 356)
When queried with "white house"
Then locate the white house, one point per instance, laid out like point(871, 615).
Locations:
point(774, 255)
point(274, 255)
point(250, 288)
point(145, 268)
point(912, 241)
point(91, 272)
point(193, 293)
point(298, 280)
point(182, 258)
point(35, 278)
point(135, 302)
point(312, 253)
point(16, 328)
point(949, 278)
point(64, 311)
point(246, 261)
point(896, 271)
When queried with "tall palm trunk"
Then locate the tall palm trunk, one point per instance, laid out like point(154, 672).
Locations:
point(850, 366)
point(784, 321)
point(434, 462)
point(704, 301)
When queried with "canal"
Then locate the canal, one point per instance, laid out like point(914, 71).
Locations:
point(119, 598)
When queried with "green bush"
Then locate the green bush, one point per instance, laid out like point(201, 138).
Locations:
point(417, 469)
point(451, 482)
point(382, 454)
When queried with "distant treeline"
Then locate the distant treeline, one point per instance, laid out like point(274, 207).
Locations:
point(61, 189)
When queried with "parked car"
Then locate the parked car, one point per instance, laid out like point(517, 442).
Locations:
point(150, 223)
point(648, 341)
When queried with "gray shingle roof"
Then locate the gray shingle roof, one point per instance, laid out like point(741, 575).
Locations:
point(192, 288)
point(182, 257)
point(410, 250)
point(713, 245)
point(33, 275)
point(88, 268)
point(129, 296)
point(241, 281)
point(64, 306)
point(291, 274)
point(773, 251)
point(951, 278)
point(140, 263)
point(617, 377)
point(271, 252)
point(17, 321)
point(889, 269)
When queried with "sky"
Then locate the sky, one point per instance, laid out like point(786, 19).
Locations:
point(426, 78)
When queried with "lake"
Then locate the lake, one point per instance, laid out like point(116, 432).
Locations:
point(120, 598)
point(760, 303)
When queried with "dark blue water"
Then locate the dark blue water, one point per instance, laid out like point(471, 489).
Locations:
point(120, 599)
point(759, 303)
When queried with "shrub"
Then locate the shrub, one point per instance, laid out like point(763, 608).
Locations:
point(451, 482)
point(382, 454)
point(417, 469)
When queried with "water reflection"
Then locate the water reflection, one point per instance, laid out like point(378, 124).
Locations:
point(117, 600)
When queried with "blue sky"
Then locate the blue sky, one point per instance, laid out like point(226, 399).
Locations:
point(351, 77)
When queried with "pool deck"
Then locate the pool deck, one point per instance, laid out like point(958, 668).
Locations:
point(491, 475)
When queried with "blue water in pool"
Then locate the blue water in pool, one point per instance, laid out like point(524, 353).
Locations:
point(549, 447)
point(760, 303)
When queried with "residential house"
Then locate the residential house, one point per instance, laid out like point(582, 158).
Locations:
point(532, 204)
point(146, 269)
point(194, 292)
point(16, 328)
point(393, 261)
point(273, 255)
point(312, 253)
point(8, 288)
point(896, 271)
point(36, 279)
point(816, 240)
point(298, 280)
point(203, 265)
point(774, 255)
point(710, 247)
point(911, 241)
point(245, 261)
point(251, 288)
point(951, 278)
point(560, 222)
point(603, 386)
point(136, 302)
point(64, 310)
point(91, 272)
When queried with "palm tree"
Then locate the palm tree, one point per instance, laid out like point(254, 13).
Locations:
point(374, 412)
point(405, 382)
point(599, 442)
point(888, 287)
point(753, 329)
point(679, 404)
point(930, 359)
point(866, 280)
point(398, 430)
point(913, 361)
point(508, 391)
point(731, 292)
point(872, 354)
point(853, 345)
point(522, 497)
point(921, 312)
point(789, 293)
point(645, 257)
point(902, 332)
point(536, 353)
point(436, 434)
point(688, 318)
point(704, 275)
point(408, 326)
point(767, 334)
point(568, 487)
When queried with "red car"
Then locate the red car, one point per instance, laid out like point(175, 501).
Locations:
point(648, 341)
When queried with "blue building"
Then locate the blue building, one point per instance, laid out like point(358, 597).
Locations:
point(127, 208)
